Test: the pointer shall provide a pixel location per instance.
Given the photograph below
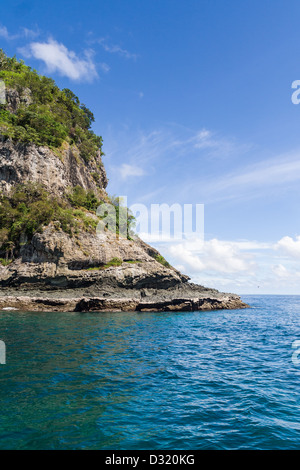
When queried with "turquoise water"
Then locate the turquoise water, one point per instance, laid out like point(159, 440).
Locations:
point(191, 380)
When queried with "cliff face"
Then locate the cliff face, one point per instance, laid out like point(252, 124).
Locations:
point(25, 163)
point(15, 99)
point(53, 259)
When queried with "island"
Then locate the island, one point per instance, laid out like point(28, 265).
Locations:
point(52, 180)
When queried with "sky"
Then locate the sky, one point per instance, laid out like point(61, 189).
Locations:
point(194, 102)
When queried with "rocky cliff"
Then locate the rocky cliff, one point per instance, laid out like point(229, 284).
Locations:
point(25, 163)
point(58, 265)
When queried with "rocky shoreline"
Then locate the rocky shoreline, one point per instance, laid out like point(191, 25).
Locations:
point(98, 304)
point(57, 272)
point(191, 298)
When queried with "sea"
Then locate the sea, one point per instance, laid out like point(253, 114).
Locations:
point(226, 379)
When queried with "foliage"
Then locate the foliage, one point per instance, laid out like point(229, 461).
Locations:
point(30, 207)
point(125, 220)
point(78, 197)
point(52, 117)
point(162, 261)
point(112, 262)
point(5, 262)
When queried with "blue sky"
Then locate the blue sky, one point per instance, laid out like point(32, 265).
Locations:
point(193, 101)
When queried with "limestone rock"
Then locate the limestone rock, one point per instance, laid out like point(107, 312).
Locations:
point(21, 163)
point(15, 99)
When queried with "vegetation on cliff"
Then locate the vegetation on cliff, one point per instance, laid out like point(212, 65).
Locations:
point(50, 116)
point(29, 208)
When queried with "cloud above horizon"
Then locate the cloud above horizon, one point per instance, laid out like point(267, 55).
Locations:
point(58, 58)
point(217, 256)
point(249, 265)
point(289, 247)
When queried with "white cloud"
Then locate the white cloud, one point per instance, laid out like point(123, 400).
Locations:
point(59, 59)
point(287, 276)
point(246, 265)
point(212, 256)
point(281, 271)
point(290, 247)
point(243, 266)
point(145, 148)
point(130, 170)
point(202, 136)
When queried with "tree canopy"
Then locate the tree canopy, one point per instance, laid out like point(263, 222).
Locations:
point(51, 117)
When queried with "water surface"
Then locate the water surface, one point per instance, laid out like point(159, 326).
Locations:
point(188, 380)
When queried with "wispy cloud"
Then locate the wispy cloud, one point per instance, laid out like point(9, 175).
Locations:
point(212, 145)
point(216, 146)
point(114, 48)
point(139, 153)
point(251, 180)
point(5, 34)
point(104, 67)
point(23, 33)
point(59, 59)
point(30, 34)
point(127, 171)
point(172, 151)
point(181, 155)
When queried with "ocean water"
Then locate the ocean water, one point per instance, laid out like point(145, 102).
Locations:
point(182, 381)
